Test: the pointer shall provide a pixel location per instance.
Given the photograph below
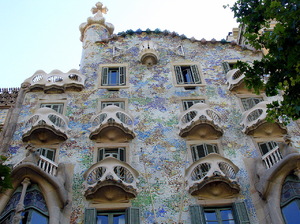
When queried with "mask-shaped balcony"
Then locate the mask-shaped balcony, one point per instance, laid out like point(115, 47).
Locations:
point(112, 124)
point(110, 180)
point(212, 176)
point(279, 161)
point(40, 168)
point(235, 81)
point(200, 122)
point(254, 122)
point(56, 81)
point(46, 126)
point(148, 53)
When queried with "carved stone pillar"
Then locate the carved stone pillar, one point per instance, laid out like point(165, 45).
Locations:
point(20, 206)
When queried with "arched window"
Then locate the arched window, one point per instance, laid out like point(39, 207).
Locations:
point(290, 199)
point(34, 210)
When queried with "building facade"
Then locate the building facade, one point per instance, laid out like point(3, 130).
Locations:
point(153, 128)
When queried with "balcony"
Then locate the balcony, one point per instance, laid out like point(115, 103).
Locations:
point(235, 81)
point(110, 180)
point(42, 170)
point(278, 162)
point(200, 122)
point(112, 124)
point(212, 177)
point(148, 53)
point(254, 122)
point(56, 81)
point(46, 126)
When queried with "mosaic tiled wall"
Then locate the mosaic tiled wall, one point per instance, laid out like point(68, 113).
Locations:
point(157, 152)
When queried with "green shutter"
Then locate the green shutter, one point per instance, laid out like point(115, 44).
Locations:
point(122, 76)
point(241, 213)
point(226, 67)
point(104, 80)
point(90, 216)
point(195, 74)
point(178, 74)
point(197, 214)
point(132, 215)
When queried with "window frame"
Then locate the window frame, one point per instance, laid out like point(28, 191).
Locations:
point(182, 99)
point(54, 102)
point(120, 150)
point(228, 65)
point(112, 146)
point(56, 153)
point(132, 215)
point(102, 73)
point(244, 96)
point(197, 67)
point(112, 100)
point(257, 141)
point(200, 142)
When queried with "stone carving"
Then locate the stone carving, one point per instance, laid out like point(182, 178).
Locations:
point(8, 96)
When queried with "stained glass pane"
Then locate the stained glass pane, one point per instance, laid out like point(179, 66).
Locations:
point(210, 215)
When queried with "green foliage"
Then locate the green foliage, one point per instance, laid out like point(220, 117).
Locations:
point(5, 179)
point(280, 67)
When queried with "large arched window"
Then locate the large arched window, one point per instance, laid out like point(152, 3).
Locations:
point(32, 209)
point(290, 199)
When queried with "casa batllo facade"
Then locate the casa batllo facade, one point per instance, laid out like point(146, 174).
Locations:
point(153, 128)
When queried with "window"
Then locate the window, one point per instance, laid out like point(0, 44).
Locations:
point(118, 153)
point(58, 107)
point(250, 102)
point(290, 199)
point(189, 103)
point(266, 147)
point(237, 213)
point(128, 216)
point(227, 66)
point(48, 153)
point(219, 215)
point(120, 104)
point(35, 209)
point(111, 218)
point(113, 76)
point(187, 74)
point(200, 151)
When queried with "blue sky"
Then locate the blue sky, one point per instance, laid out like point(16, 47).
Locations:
point(40, 34)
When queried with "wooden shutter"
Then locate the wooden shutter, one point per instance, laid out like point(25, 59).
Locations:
point(122, 76)
point(226, 67)
point(90, 216)
point(178, 74)
point(132, 215)
point(197, 214)
point(241, 213)
point(195, 74)
point(104, 80)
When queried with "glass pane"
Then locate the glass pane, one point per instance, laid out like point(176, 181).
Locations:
point(210, 215)
point(119, 219)
point(37, 218)
point(102, 219)
point(264, 148)
point(226, 214)
point(291, 213)
point(113, 77)
point(201, 152)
